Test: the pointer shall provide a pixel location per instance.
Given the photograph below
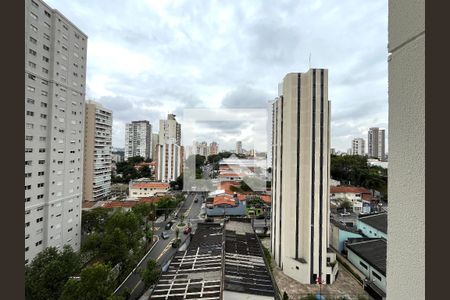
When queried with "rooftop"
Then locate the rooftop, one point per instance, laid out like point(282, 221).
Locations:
point(152, 185)
point(373, 251)
point(377, 221)
point(349, 189)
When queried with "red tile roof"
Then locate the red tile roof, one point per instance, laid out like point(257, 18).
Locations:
point(87, 204)
point(349, 189)
point(266, 198)
point(153, 185)
point(225, 199)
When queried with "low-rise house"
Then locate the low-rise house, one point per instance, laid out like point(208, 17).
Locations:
point(373, 226)
point(226, 205)
point(369, 257)
point(146, 188)
point(361, 198)
point(340, 233)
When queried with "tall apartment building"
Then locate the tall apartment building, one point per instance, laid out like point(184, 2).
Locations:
point(300, 178)
point(97, 152)
point(358, 146)
point(138, 139)
point(170, 162)
point(406, 247)
point(201, 148)
point(376, 143)
point(169, 131)
point(213, 148)
point(239, 147)
point(55, 79)
point(155, 141)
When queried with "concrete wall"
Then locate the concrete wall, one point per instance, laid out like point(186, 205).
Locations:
point(356, 261)
point(370, 231)
point(406, 263)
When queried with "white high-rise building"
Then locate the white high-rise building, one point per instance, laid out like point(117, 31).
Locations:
point(138, 139)
point(169, 131)
point(213, 148)
point(97, 152)
point(358, 146)
point(239, 147)
point(376, 143)
point(300, 178)
point(55, 83)
point(170, 158)
point(155, 141)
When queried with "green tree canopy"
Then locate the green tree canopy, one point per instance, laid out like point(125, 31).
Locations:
point(151, 273)
point(47, 274)
point(94, 219)
point(145, 172)
point(94, 283)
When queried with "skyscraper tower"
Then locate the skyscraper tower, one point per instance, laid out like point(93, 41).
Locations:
point(301, 170)
point(376, 143)
point(55, 84)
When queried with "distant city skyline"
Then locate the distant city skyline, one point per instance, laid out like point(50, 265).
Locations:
point(190, 54)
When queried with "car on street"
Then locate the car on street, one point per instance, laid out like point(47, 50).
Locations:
point(165, 235)
point(168, 225)
point(343, 214)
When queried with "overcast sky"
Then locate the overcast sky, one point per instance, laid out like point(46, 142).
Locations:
point(147, 58)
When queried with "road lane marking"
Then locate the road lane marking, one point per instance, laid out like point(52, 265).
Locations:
point(166, 249)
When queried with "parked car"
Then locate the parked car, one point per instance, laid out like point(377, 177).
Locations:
point(187, 230)
point(343, 214)
point(165, 235)
point(196, 200)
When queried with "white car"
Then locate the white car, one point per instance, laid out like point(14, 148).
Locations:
point(344, 214)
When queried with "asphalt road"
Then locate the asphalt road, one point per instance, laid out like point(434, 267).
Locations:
point(162, 250)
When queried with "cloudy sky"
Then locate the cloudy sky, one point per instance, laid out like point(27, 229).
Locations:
point(147, 58)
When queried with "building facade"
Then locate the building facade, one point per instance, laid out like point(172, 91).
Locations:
point(97, 152)
point(358, 147)
point(169, 131)
point(155, 141)
point(300, 182)
point(213, 148)
point(170, 162)
point(239, 147)
point(55, 84)
point(138, 139)
point(376, 143)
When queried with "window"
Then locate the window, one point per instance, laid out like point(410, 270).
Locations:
point(43, 104)
point(27, 248)
point(31, 76)
point(41, 161)
point(376, 276)
point(40, 196)
point(27, 175)
point(30, 101)
point(32, 52)
point(28, 138)
point(47, 13)
point(69, 230)
point(46, 36)
point(45, 47)
point(42, 138)
point(39, 243)
point(41, 173)
point(33, 40)
point(363, 265)
point(44, 82)
point(27, 187)
point(28, 150)
point(43, 116)
point(28, 199)
point(75, 54)
point(34, 28)
point(34, 16)
point(63, 56)
point(43, 127)
point(32, 64)
point(65, 27)
point(30, 113)
point(47, 25)
point(34, 3)
point(45, 59)
point(40, 185)
point(64, 47)
point(29, 125)
point(77, 36)
point(44, 70)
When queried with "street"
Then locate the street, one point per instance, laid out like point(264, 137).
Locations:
point(162, 250)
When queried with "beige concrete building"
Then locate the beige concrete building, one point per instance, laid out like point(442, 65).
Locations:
point(406, 188)
point(138, 135)
point(155, 141)
point(358, 146)
point(300, 182)
point(55, 83)
point(97, 152)
point(213, 148)
point(376, 143)
point(169, 131)
point(239, 149)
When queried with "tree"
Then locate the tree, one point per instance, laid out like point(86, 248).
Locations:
point(48, 272)
point(151, 273)
point(145, 172)
point(135, 160)
point(94, 219)
point(94, 283)
point(345, 204)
